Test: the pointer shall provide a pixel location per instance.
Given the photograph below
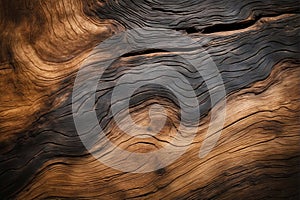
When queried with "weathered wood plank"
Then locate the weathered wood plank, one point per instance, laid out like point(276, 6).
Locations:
point(255, 46)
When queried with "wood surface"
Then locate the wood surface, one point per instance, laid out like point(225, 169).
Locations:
point(255, 45)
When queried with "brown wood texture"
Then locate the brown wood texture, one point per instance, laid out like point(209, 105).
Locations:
point(255, 46)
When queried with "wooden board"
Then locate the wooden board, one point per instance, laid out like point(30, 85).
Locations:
point(254, 45)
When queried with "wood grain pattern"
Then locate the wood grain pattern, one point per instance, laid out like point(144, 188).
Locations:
point(255, 45)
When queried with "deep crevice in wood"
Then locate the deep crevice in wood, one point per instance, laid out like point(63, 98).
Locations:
point(229, 27)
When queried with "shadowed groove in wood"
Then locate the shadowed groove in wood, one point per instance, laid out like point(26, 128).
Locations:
point(255, 45)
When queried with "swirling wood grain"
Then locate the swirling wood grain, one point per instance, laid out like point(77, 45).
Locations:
point(255, 45)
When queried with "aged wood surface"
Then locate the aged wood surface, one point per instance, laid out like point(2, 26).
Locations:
point(255, 45)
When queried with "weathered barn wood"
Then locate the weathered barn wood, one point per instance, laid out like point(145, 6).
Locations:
point(255, 46)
